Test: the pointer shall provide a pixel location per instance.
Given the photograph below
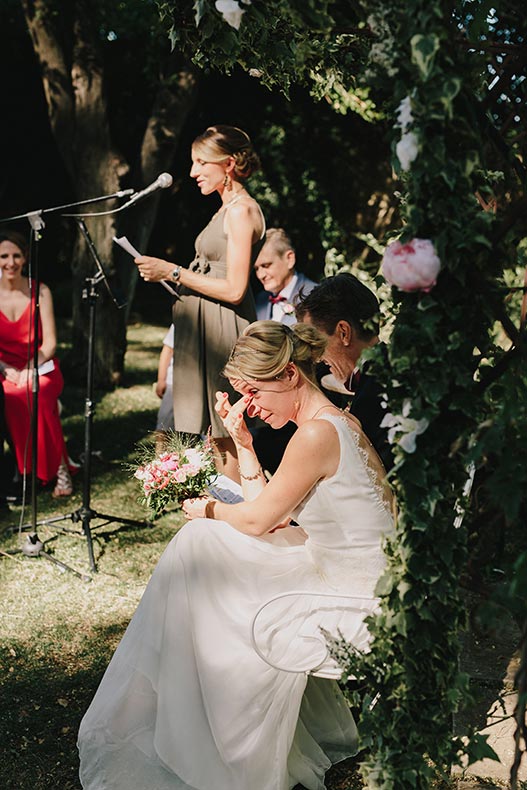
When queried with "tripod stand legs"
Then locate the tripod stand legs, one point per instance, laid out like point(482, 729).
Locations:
point(84, 515)
point(33, 547)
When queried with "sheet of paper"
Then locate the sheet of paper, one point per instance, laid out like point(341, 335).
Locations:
point(46, 367)
point(226, 490)
point(123, 242)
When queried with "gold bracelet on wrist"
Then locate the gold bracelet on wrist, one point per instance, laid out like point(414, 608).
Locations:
point(251, 477)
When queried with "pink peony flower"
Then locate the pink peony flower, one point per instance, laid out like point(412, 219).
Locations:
point(411, 267)
point(169, 465)
point(180, 475)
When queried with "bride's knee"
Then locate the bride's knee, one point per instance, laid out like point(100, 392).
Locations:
point(195, 531)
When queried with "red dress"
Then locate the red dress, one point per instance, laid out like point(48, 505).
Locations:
point(15, 345)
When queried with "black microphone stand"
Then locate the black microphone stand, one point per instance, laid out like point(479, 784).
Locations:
point(34, 547)
point(85, 514)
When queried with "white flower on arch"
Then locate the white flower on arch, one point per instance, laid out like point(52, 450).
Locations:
point(403, 429)
point(407, 149)
point(232, 11)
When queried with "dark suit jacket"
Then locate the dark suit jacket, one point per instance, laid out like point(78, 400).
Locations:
point(264, 307)
point(366, 407)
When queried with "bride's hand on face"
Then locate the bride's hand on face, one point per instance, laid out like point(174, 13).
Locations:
point(232, 418)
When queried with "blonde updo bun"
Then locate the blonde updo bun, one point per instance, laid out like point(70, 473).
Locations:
point(219, 142)
point(265, 348)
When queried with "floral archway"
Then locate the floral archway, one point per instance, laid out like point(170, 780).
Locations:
point(449, 78)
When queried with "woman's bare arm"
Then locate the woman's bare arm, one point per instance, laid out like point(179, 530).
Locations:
point(240, 229)
point(49, 330)
point(312, 454)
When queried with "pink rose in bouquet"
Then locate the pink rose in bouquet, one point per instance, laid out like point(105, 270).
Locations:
point(181, 472)
point(413, 266)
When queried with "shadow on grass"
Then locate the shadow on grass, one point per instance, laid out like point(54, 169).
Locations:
point(43, 700)
point(135, 377)
point(114, 436)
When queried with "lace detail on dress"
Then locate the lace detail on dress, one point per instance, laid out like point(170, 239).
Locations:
point(381, 491)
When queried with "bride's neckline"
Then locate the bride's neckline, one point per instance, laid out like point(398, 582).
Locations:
point(324, 406)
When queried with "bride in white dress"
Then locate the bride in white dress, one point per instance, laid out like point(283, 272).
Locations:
point(187, 702)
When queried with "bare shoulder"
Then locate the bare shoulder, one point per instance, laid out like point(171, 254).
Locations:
point(245, 212)
point(316, 441)
point(313, 435)
point(45, 291)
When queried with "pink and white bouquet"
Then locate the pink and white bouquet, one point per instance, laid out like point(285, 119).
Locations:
point(182, 471)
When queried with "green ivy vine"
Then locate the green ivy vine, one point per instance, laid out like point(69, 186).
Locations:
point(455, 381)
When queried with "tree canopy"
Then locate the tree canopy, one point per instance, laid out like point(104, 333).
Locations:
point(376, 121)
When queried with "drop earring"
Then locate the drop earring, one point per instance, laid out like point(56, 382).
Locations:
point(227, 182)
point(296, 402)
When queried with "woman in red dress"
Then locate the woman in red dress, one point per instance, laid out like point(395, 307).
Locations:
point(17, 304)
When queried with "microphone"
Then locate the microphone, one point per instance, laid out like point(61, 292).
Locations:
point(162, 182)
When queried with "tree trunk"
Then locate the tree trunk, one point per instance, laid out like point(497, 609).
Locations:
point(174, 101)
point(98, 171)
point(55, 73)
point(78, 114)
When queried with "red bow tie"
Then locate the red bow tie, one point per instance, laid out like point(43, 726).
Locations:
point(276, 299)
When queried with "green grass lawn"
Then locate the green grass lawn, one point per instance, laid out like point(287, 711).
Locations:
point(57, 632)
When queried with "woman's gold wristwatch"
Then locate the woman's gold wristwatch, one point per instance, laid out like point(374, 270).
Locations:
point(176, 273)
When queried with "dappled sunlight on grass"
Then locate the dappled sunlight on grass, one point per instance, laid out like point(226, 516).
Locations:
point(57, 632)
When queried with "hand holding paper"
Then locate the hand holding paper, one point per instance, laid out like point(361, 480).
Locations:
point(123, 242)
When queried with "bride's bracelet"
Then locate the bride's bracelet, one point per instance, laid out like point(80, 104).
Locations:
point(251, 477)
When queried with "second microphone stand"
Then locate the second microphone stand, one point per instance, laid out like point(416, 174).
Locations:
point(86, 514)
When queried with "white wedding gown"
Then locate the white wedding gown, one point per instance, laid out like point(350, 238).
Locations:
point(186, 702)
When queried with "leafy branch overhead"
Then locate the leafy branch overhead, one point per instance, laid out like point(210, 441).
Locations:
point(279, 43)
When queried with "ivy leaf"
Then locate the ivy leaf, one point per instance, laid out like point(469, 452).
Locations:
point(424, 49)
point(200, 8)
point(450, 90)
point(384, 585)
point(479, 749)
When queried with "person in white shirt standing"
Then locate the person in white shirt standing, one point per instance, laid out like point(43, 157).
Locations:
point(163, 389)
point(275, 269)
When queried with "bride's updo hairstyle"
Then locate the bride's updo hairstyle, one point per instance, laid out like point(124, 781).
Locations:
point(217, 143)
point(265, 348)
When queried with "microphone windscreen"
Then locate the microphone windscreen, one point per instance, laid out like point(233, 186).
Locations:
point(165, 180)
